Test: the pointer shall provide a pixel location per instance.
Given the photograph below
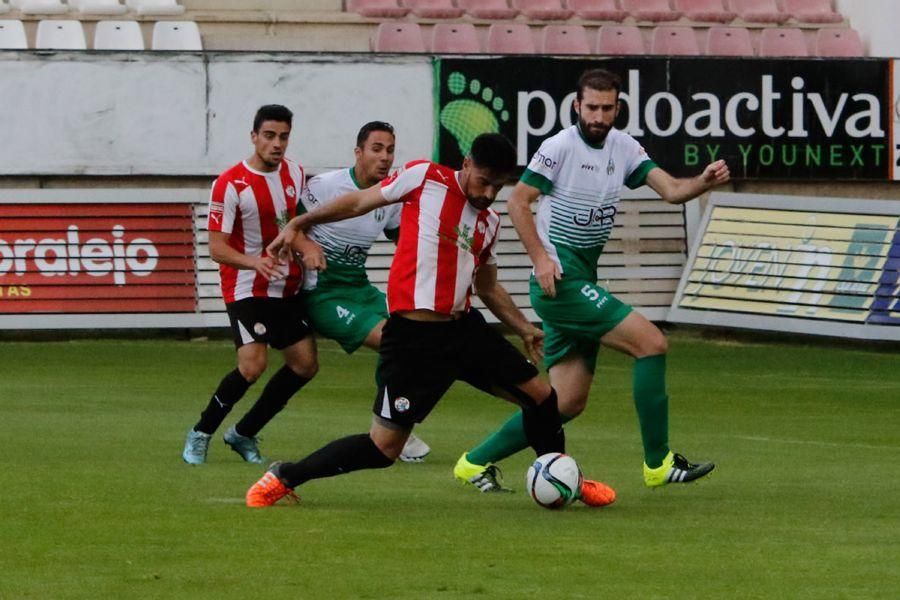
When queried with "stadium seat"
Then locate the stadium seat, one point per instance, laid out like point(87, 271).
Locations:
point(564, 39)
point(705, 11)
point(454, 38)
point(812, 11)
point(782, 41)
point(597, 10)
point(176, 35)
point(4, 7)
point(651, 10)
point(488, 9)
point(118, 35)
point(12, 35)
point(543, 10)
point(434, 9)
point(99, 7)
point(41, 7)
point(758, 11)
point(509, 38)
point(674, 40)
point(839, 42)
point(60, 35)
point(728, 41)
point(377, 8)
point(398, 37)
point(613, 40)
point(155, 7)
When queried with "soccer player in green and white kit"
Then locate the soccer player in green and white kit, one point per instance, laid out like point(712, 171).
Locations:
point(341, 304)
point(576, 177)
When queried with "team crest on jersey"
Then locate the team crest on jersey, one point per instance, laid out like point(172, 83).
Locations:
point(401, 404)
point(610, 166)
point(464, 237)
point(481, 227)
point(290, 192)
point(379, 215)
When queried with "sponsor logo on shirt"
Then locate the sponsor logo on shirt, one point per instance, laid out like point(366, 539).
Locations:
point(605, 215)
point(465, 239)
point(545, 160)
point(590, 167)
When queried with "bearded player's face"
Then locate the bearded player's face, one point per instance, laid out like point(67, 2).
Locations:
point(481, 185)
point(596, 113)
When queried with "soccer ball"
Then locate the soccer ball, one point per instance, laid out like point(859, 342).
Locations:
point(554, 480)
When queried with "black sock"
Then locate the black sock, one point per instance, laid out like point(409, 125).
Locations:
point(351, 453)
point(283, 384)
point(231, 389)
point(543, 428)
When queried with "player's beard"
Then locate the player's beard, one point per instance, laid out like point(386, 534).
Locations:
point(595, 134)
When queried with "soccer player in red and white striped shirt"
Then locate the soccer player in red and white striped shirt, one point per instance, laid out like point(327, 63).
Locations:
point(249, 204)
point(447, 246)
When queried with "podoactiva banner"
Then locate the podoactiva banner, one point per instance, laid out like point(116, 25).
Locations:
point(808, 119)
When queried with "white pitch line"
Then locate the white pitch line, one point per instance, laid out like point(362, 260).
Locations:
point(754, 438)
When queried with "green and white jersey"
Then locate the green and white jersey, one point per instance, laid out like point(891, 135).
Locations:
point(346, 243)
point(580, 186)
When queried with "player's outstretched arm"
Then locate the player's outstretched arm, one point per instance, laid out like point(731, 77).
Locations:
point(347, 206)
point(221, 252)
point(679, 190)
point(499, 302)
point(519, 206)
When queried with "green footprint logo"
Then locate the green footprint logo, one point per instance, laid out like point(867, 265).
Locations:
point(467, 118)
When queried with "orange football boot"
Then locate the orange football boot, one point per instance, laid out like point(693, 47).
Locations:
point(594, 493)
point(269, 490)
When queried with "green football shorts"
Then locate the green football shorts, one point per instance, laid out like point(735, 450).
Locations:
point(574, 321)
point(346, 314)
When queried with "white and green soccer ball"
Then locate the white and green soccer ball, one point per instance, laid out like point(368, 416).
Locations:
point(554, 480)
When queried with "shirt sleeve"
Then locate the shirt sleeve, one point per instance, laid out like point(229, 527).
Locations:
point(309, 198)
point(404, 181)
point(545, 166)
point(224, 205)
point(489, 253)
point(393, 219)
point(638, 165)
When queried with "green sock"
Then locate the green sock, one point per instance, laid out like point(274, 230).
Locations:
point(504, 442)
point(652, 406)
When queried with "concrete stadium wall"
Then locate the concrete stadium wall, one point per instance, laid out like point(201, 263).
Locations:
point(190, 114)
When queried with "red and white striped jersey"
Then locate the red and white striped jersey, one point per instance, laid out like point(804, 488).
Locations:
point(253, 207)
point(443, 239)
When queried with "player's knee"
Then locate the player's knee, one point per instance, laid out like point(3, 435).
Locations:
point(653, 344)
point(572, 406)
point(305, 368)
point(252, 370)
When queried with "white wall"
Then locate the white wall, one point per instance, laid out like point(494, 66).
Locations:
point(876, 21)
point(187, 114)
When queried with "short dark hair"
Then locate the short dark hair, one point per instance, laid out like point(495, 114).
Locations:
point(494, 152)
point(600, 80)
point(368, 128)
point(272, 112)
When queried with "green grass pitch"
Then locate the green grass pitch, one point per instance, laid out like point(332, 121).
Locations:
point(96, 503)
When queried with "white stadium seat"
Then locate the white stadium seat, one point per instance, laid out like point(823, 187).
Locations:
point(4, 7)
point(98, 7)
point(155, 7)
point(176, 35)
point(12, 35)
point(60, 35)
point(118, 35)
point(41, 7)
